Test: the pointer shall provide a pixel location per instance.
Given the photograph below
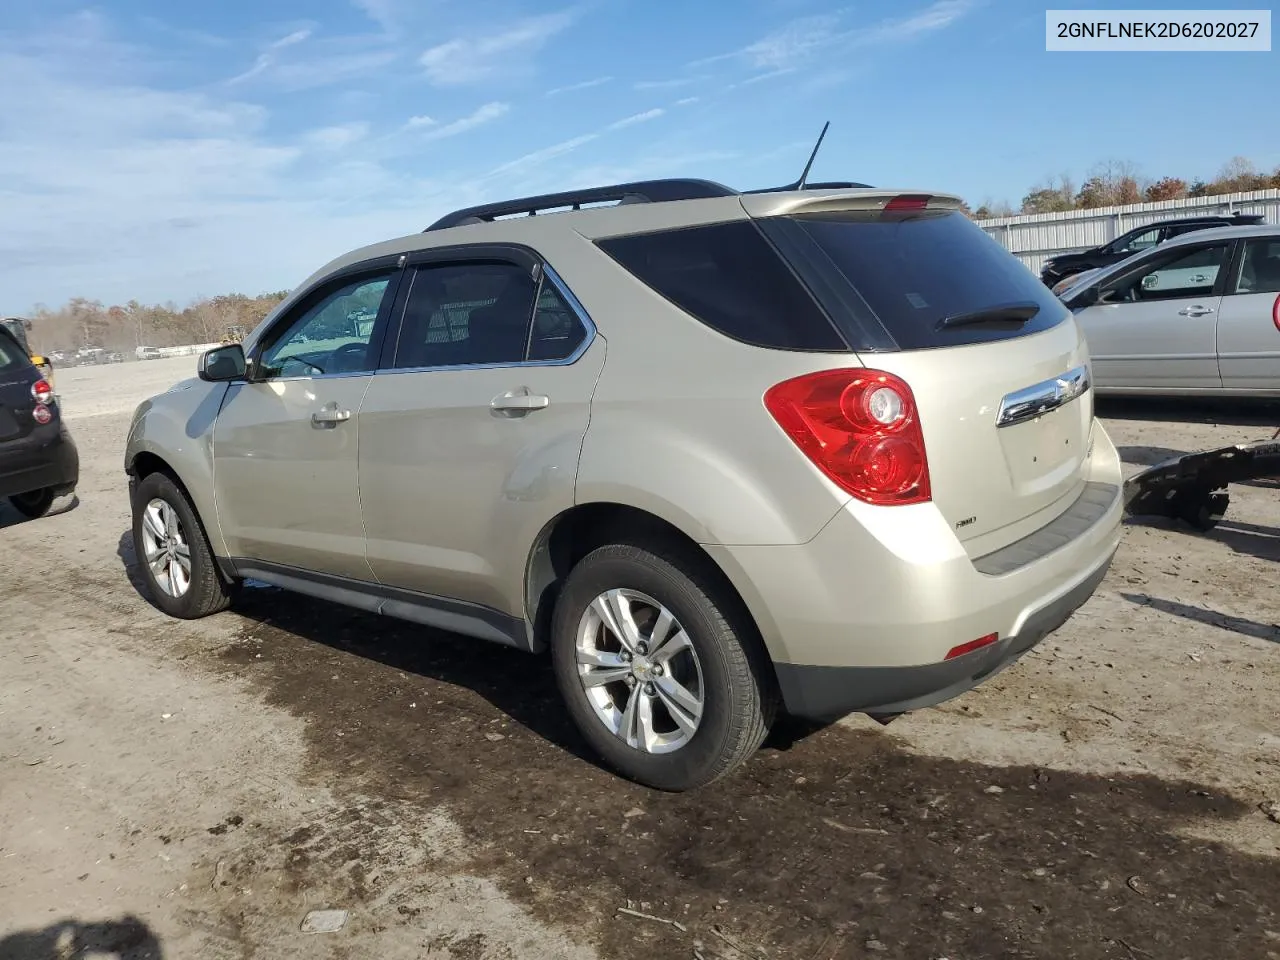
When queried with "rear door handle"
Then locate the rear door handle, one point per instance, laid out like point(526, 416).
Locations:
point(1196, 311)
point(330, 415)
point(519, 402)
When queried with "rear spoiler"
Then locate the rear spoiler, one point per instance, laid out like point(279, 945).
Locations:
point(854, 201)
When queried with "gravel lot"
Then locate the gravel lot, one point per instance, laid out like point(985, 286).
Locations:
point(193, 790)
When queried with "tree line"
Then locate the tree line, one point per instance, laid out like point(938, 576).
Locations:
point(82, 323)
point(1116, 183)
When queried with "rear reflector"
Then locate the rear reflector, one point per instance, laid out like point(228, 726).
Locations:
point(41, 414)
point(973, 645)
point(908, 201)
point(1275, 313)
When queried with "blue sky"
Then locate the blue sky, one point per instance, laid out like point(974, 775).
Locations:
point(164, 150)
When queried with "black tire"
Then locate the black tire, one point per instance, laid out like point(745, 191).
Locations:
point(207, 592)
point(33, 505)
point(739, 702)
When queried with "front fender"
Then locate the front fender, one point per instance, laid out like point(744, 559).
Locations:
point(177, 428)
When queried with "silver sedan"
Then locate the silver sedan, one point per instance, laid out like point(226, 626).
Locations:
point(1198, 316)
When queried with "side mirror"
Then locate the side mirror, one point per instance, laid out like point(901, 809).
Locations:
point(222, 363)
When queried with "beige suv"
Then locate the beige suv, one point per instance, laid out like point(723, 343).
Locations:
point(719, 453)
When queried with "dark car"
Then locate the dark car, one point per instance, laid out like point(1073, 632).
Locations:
point(38, 459)
point(1138, 239)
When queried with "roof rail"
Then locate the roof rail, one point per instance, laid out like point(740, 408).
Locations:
point(645, 191)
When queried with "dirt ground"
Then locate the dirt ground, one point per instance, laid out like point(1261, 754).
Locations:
point(193, 790)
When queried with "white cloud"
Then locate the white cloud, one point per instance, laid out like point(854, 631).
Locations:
point(337, 137)
point(794, 42)
point(939, 16)
point(471, 60)
point(477, 118)
point(420, 121)
point(584, 85)
point(686, 101)
point(636, 118)
point(802, 41)
point(671, 84)
point(542, 156)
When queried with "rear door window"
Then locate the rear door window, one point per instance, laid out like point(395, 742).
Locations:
point(902, 279)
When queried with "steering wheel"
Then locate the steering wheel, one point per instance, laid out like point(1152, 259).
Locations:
point(345, 354)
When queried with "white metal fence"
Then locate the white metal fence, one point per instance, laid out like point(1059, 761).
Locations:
point(1034, 238)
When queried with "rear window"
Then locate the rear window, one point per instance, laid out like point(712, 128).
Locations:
point(12, 357)
point(892, 279)
point(731, 278)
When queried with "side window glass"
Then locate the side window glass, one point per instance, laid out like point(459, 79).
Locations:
point(463, 314)
point(331, 335)
point(1190, 273)
point(1260, 269)
point(557, 331)
point(1141, 241)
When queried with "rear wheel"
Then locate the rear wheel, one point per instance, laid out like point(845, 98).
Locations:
point(34, 504)
point(660, 671)
point(173, 552)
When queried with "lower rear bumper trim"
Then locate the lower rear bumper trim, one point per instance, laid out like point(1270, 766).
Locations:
point(828, 693)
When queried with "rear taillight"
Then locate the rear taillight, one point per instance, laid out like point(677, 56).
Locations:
point(41, 392)
point(860, 427)
point(1275, 313)
point(42, 414)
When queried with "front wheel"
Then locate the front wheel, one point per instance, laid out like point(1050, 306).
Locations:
point(659, 668)
point(173, 553)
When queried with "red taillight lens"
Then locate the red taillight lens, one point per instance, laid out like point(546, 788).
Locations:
point(908, 201)
point(41, 414)
point(42, 392)
point(972, 645)
point(860, 428)
point(1275, 313)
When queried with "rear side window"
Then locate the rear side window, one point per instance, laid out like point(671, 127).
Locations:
point(913, 275)
point(730, 277)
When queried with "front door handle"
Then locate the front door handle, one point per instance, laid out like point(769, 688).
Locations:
point(330, 415)
point(1196, 311)
point(519, 402)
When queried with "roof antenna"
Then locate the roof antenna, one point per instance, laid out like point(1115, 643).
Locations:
point(799, 184)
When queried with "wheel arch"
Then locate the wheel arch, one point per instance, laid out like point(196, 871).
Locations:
point(143, 463)
point(575, 532)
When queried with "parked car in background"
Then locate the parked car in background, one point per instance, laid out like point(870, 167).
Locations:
point(723, 513)
point(38, 460)
point(1199, 315)
point(148, 353)
point(1067, 265)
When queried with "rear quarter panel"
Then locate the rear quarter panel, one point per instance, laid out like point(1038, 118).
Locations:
point(678, 424)
point(177, 427)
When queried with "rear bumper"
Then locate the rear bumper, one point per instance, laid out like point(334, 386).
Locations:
point(829, 693)
point(863, 616)
point(47, 459)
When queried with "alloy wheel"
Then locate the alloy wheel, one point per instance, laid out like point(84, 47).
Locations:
point(168, 556)
point(640, 671)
